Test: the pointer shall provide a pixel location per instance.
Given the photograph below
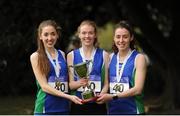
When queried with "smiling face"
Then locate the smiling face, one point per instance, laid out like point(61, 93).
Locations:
point(122, 39)
point(87, 34)
point(48, 36)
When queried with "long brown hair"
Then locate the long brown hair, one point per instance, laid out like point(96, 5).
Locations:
point(91, 23)
point(43, 62)
point(127, 26)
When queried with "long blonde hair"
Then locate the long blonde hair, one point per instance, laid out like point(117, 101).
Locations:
point(43, 62)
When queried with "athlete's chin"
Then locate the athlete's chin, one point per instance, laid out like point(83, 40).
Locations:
point(121, 48)
point(50, 45)
point(88, 44)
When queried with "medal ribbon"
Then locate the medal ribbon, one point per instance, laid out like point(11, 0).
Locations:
point(119, 76)
point(55, 64)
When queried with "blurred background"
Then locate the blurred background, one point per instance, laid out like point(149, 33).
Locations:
point(155, 23)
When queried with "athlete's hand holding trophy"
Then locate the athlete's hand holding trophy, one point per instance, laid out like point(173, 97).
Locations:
point(81, 70)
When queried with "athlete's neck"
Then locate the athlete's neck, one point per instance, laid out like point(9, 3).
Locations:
point(123, 54)
point(52, 52)
point(88, 51)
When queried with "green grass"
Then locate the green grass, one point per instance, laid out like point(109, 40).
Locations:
point(19, 105)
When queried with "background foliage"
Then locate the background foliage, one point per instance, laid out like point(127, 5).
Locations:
point(156, 25)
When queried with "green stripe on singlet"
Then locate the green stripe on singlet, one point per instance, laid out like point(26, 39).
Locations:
point(103, 74)
point(39, 103)
point(138, 98)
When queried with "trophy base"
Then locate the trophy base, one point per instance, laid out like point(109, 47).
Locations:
point(89, 100)
point(88, 96)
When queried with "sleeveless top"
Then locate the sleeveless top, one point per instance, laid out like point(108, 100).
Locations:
point(96, 76)
point(129, 105)
point(46, 103)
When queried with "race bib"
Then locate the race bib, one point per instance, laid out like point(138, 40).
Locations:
point(63, 86)
point(118, 87)
point(93, 85)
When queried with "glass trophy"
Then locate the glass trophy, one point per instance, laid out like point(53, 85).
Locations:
point(81, 70)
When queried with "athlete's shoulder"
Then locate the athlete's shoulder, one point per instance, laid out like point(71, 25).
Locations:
point(70, 53)
point(34, 56)
point(141, 59)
